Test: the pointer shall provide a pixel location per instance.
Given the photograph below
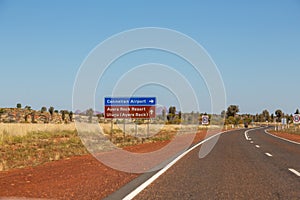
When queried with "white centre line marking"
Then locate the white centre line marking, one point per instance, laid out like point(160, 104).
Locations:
point(246, 132)
point(140, 188)
point(257, 146)
point(295, 172)
point(251, 142)
point(268, 154)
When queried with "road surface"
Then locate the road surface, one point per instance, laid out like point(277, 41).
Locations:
point(251, 165)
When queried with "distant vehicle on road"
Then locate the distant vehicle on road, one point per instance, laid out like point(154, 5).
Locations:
point(246, 125)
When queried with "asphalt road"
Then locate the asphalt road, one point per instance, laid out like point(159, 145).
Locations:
point(251, 166)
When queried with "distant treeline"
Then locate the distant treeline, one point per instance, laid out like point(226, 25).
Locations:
point(169, 116)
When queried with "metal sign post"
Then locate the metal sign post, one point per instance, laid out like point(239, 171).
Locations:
point(136, 129)
point(111, 129)
point(124, 133)
point(283, 123)
point(296, 120)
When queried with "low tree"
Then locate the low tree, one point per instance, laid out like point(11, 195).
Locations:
point(1, 112)
point(232, 110)
point(297, 111)
point(256, 117)
point(261, 118)
point(33, 117)
point(171, 114)
point(43, 109)
point(63, 115)
point(99, 116)
point(279, 114)
point(90, 113)
point(19, 105)
point(71, 116)
point(272, 117)
point(179, 115)
point(248, 120)
point(238, 120)
point(266, 115)
point(51, 110)
point(26, 118)
point(223, 114)
point(28, 107)
point(289, 118)
point(163, 114)
point(230, 120)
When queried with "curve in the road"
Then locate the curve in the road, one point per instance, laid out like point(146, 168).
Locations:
point(263, 167)
point(266, 131)
point(135, 192)
point(280, 139)
point(235, 169)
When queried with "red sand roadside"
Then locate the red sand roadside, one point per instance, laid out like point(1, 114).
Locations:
point(288, 136)
point(81, 177)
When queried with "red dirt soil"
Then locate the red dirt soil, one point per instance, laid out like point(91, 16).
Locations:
point(288, 136)
point(81, 177)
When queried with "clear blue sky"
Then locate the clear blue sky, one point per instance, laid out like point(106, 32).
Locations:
point(255, 44)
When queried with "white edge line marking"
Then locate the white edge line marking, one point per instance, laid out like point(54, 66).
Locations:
point(163, 170)
point(257, 146)
point(294, 171)
point(268, 154)
point(281, 138)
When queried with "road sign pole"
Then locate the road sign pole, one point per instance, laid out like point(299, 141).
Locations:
point(111, 129)
point(148, 128)
point(136, 129)
point(124, 126)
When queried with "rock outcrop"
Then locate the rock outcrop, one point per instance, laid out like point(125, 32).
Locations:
point(19, 115)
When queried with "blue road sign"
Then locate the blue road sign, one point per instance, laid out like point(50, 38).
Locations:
point(130, 101)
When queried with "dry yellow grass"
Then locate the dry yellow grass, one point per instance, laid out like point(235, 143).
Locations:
point(23, 129)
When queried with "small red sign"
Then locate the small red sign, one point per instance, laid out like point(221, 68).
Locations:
point(296, 118)
point(130, 112)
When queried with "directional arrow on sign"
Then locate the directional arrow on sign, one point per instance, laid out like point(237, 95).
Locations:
point(151, 112)
point(151, 101)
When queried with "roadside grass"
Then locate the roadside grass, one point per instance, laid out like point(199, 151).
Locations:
point(23, 145)
point(25, 128)
point(35, 148)
point(294, 130)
